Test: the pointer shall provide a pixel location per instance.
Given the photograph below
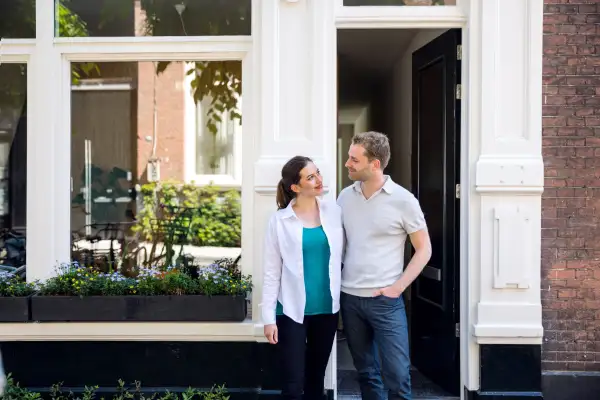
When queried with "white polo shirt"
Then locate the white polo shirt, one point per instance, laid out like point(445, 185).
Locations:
point(376, 230)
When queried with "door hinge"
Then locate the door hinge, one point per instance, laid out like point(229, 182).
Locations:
point(459, 91)
point(457, 329)
point(457, 191)
point(459, 52)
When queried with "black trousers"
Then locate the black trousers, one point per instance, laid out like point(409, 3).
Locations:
point(304, 350)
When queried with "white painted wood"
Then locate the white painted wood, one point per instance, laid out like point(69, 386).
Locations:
point(379, 17)
point(16, 50)
point(245, 331)
point(43, 90)
point(289, 70)
point(509, 172)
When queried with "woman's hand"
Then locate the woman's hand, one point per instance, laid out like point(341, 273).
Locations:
point(271, 333)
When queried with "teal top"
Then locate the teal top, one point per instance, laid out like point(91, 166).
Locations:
point(315, 257)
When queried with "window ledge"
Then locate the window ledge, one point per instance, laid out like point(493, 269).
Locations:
point(246, 331)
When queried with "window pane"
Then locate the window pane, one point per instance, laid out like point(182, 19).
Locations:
point(399, 2)
point(216, 145)
point(17, 19)
point(135, 128)
point(152, 17)
point(13, 165)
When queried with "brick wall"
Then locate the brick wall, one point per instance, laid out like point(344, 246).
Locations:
point(571, 201)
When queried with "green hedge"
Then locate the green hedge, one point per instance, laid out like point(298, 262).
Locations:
point(217, 215)
point(123, 391)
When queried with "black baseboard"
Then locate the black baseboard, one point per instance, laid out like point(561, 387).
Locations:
point(249, 370)
point(245, 368)
point(509, 372)
point(234, 394)
point(571, 385)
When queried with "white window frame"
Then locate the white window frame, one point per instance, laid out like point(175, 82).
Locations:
point(49, 90)
point(191, 127)
point(18, 51)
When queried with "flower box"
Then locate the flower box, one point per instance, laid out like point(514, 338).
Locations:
point(14, 309)
point(199, 308)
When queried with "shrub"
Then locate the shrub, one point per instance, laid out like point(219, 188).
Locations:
point(215, 217)
point(216, 279)
point(14, 392)
point(14, 286)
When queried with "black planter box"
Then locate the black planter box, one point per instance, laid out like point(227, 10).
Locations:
point(14, 309)
point(138, 308)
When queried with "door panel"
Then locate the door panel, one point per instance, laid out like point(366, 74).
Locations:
point(435, 173)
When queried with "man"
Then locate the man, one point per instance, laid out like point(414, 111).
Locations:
point(378, 215)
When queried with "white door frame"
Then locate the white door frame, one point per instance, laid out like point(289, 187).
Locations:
point(501, 166)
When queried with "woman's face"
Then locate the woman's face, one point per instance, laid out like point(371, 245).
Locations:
point(311, 182)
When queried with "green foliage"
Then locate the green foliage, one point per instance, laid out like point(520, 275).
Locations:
point(124, 392)
point(220, 278)
point(216, 217)
point(14, 286)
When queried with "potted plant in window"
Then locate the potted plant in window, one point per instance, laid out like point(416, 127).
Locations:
point(15, 296)
point(183, 293)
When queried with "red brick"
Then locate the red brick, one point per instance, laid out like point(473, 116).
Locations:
point(571, 199)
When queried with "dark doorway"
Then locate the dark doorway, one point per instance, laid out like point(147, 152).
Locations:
point(435, 174)
point(403, 82)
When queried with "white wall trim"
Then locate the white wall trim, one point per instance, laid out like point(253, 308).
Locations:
point(379, 17)
point(16, 50)
point(245, 331)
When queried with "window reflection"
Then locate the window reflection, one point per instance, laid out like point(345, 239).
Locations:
point(133, 126)
point(17, 19)
point(111, 18)
point(13, 164)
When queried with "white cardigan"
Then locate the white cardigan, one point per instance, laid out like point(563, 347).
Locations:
point(283, 268)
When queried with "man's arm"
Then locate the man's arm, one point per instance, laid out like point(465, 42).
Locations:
point(414, 224)
point(422, 244)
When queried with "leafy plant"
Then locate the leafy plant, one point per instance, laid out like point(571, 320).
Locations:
point(124, 392)
point(14, 286)
point(215, 279)
point(216, 220)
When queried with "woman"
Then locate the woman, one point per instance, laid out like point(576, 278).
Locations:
point(301, 282)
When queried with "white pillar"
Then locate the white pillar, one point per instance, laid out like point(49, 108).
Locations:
point(505, 126)
point(42, 191)
point(297, 60)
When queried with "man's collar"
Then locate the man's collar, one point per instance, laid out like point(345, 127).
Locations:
point(388, 186)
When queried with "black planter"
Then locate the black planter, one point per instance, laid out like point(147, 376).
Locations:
point(14, 309)
point(138, 308)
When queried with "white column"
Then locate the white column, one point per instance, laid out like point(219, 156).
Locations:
point(505, 125)
point(297, 59)
point(41, 158)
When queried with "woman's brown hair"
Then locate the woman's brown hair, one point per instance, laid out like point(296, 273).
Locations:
point(290, 175)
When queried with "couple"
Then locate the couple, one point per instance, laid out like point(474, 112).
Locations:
point(306, 243)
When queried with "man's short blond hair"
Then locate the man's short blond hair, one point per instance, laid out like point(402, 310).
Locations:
point(376, 145)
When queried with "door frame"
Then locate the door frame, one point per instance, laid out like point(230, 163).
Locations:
point(430, 17)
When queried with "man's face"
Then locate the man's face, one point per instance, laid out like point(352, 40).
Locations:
point(359, 166)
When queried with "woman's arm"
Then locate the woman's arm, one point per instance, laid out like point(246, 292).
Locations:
point(272, 264)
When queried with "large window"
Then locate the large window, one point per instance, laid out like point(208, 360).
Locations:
point(132, 156)
point(111, 18)
point(131, 201)
point(17, 19)
point(13, 166)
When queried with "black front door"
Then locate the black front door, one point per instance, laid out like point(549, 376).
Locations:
point(435, 174)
